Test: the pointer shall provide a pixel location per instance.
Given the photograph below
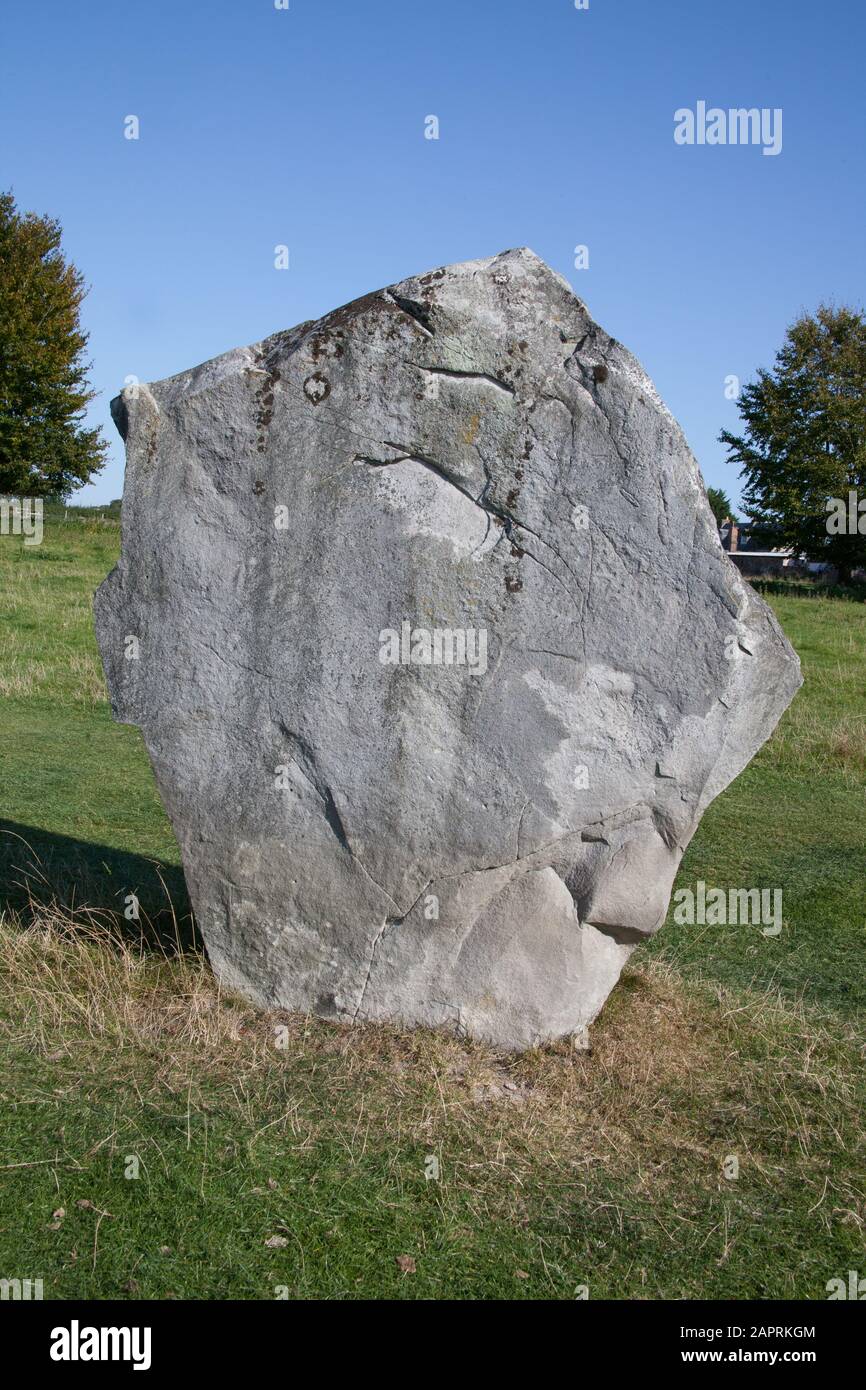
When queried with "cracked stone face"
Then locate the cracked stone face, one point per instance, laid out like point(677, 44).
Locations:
point(424, 618)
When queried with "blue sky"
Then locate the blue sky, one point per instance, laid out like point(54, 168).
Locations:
point(305, 127)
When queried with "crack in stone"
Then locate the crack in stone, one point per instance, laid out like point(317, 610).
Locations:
point(373, 949)
point(388, 922)
point(505, 519)
point(547, 651)
point(491, 380)
point(234, 660)
point(306, 764)
point(413, 309)
point(526, 806)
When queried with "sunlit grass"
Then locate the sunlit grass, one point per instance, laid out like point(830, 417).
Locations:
point(279, 1152)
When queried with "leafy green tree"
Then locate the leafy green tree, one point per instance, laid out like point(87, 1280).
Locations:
point(44, 448)
point(720, 504)
point(803, 450)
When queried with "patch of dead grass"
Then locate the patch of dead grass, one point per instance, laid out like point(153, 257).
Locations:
point(677, 1078)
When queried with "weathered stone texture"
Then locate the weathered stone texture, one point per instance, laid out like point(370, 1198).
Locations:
point(465, 451)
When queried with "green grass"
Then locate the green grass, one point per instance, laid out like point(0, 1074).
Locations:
point(557, 1169)
point(794, 820)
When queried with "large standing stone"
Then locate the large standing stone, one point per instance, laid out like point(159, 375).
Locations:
point(369, 832)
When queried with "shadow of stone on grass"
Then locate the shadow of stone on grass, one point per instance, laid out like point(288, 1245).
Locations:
point(41, 871)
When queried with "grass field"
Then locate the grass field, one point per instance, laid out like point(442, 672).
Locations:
point(302, 1170)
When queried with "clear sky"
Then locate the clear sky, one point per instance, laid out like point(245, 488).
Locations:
point(305, 127)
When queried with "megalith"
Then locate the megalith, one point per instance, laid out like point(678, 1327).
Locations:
point(423, 615)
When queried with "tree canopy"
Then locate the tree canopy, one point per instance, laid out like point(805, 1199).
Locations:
point(720, 504)
point(45, 447)
point(803, 449)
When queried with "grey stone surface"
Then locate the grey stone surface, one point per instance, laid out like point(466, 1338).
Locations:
point(476, 845)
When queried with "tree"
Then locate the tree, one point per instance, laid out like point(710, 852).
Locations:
point(44, 448)
point(720, 504)
point(803, 450)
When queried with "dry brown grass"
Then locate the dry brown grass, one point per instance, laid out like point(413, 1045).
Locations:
point(676, 1078)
